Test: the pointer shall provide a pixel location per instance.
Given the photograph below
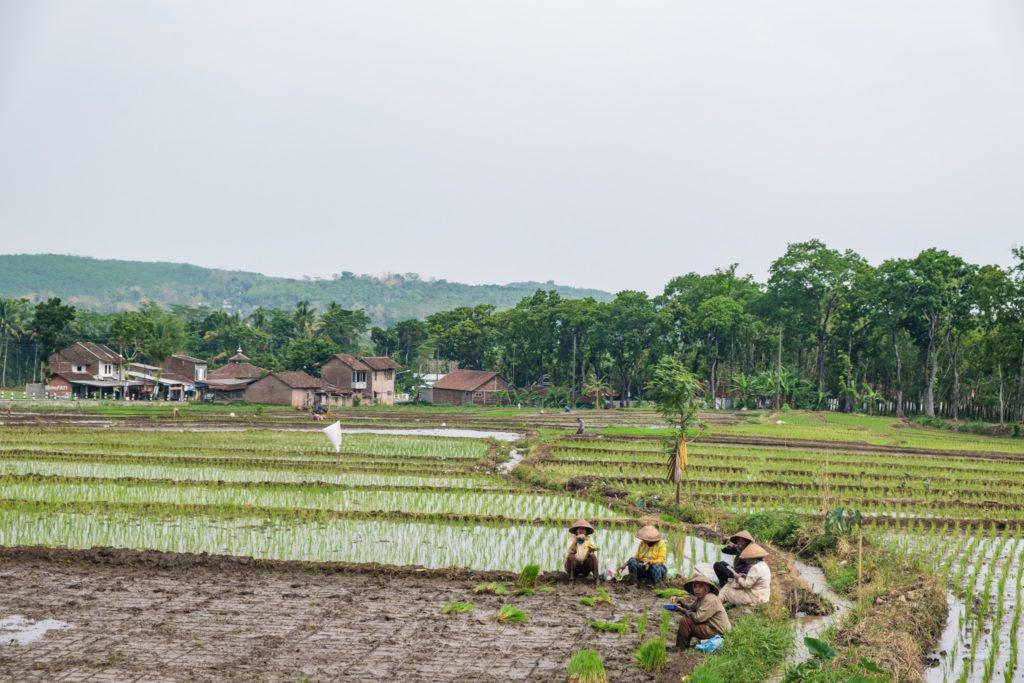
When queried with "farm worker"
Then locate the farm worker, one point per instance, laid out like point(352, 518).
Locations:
point(754, 587)
point(648, 563)
point(703, 615)
point(582, 553)
point(737, 542)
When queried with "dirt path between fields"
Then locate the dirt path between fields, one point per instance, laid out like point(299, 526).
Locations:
point(165, 617)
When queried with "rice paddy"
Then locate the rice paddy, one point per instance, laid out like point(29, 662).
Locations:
point(954, 502)
point(388, 498)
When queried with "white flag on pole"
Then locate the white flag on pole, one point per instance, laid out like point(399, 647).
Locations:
point(333, 433)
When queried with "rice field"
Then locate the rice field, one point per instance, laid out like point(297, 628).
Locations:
point(390, 498)
point(958, 508)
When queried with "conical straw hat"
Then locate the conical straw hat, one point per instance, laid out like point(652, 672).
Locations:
point(649, 533)
point(753, 552)
point(712, 586)
point(741, 534)
point(580, 523)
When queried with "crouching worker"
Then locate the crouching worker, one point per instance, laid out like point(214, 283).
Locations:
point(582, 557)
point(755, 586)
point(702, 616)
point(649, 563)
point(737, 543)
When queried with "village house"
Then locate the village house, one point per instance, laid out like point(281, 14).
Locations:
point(150, 382)
point(85, 370)
point(382, 379)
point(371, 378)
point(229, 382)
point(469, 387)
point(296, 389)
point(194, 370)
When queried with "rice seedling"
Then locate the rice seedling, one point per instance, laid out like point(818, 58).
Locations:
point(641, 626)
point(669, 592)
point(528, 576)
point(492, 587)
point(610, 626)
point(457, 606)
point(586, 666)
point(602, 597)
point(511, 615)
point(665, 625)
point(652, 656)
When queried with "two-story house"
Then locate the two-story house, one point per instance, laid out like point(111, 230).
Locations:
point(85, 370)
point(193, 370)
point(371, 378)
point(382, 379)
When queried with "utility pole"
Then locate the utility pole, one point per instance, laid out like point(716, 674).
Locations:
point(572, 389)
point(778, 375)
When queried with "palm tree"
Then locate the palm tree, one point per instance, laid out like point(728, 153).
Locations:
point(595, 386)
point(305, 320)
point(14, 321)
point(744, 386)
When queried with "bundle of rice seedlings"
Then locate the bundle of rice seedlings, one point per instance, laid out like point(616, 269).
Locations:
point(602, 597)
point(666, 623)
point(651, 656)
point(669, 592)
point(528, 576)
point(586, 667)
point(457, 606)
point(492, 587)
point(510, 614)
point(641, 626)
point(610, 626)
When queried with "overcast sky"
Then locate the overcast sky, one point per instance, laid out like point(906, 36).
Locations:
point(602, 144)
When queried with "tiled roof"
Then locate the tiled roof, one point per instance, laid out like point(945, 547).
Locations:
point(88, 351)
point(350, 361)
point(238, 357)
point(464, 380)
point(296, 379)
point(73, 376)
point(236, 371)
point(381, 363)
point(189, 359)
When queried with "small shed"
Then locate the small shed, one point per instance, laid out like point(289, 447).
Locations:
point(469, 387)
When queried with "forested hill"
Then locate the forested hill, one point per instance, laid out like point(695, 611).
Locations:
point(107, 285)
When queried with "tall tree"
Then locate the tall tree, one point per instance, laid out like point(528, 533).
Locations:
point(52, 322)
point(812, 281)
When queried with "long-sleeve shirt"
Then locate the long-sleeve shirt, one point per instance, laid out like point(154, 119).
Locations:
point(581, 550)
point(654, 554)
point(708, 610)
point(752, 588)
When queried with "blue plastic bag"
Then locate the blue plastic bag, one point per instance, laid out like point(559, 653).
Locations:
point(711, 644)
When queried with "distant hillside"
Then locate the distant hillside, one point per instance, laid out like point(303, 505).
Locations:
point(102, 285)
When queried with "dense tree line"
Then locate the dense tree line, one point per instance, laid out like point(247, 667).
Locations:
point(931, 334)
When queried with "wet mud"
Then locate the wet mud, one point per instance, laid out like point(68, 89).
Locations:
point(149, 616)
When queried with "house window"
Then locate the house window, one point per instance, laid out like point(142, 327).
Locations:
point(200, 374)
point(108, 369)
point(359, 376)
point(79, 368)
point(388, 374)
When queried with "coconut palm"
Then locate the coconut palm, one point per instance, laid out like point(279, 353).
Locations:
point(14, 322)
point(595, 386)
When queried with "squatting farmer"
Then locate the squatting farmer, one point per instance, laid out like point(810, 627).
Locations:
point(754, 587)
point(702, 616)
point(582, 553)
point(737, 542)
point(649, 563)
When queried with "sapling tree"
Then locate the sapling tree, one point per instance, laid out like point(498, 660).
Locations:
point(677, 392)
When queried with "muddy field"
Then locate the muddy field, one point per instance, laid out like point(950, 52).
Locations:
point(164, 617)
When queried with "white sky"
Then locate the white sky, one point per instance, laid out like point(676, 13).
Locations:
point(603, 144)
